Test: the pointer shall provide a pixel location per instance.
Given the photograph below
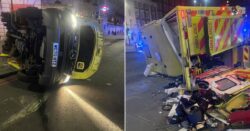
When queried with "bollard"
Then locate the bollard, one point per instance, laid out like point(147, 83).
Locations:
point(245, 55)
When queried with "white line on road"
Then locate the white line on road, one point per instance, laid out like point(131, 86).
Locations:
point(98, 118)
point(32, 107)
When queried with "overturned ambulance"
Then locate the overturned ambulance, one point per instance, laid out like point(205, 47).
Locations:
point(48, 46)
point(191, 40)
point(206, 46)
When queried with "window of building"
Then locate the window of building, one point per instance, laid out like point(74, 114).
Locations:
point(159, 6)
point(142, 22)
point(137, 13)
point(152, 8)
point(147, 15)
point(146, 7)
point(136, 4)
point(140, 5)
point(138, 23)
point(142, 16)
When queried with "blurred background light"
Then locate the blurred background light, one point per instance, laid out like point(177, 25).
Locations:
point(104, 9)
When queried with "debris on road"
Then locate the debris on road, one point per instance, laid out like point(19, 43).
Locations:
point(205, 106)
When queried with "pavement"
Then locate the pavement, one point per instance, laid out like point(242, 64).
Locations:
point(144, 97)
point(110, 39)
point(130, 48)
point(114, 37)
point(93, 104)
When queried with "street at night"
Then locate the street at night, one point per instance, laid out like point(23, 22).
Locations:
point(144, 97)
point(93, 104)
point(124, 65)
point(187, 65)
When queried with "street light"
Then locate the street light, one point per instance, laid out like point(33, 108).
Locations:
point(104, 8)
point(195, 1)
point(205, 2)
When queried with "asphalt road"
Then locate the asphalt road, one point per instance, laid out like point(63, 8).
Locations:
point(93, 104)
point(144, 97)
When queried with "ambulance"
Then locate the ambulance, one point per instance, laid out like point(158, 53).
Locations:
point(192, 41)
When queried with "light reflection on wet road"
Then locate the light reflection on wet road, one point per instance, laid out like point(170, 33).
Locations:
point(92, 104)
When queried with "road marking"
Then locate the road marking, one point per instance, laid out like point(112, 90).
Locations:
point(143, 118)
point(32, 107)
point(109, 84)
point(97, 117)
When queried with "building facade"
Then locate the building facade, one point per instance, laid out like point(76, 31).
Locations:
point(5, 6)
point(138, 13)
point(112, 21)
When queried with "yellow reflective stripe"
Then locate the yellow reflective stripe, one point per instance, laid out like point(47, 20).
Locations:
point(224, 35)
point(235, 55)
point(187, 78)
point(211, 31)
point(4, 55)
point(246, 54)
point(238, 26)
point(181, 34)
point(14, 64)
point(94, 65)
point(201, 37)
point(217, 33)
point(239, 21)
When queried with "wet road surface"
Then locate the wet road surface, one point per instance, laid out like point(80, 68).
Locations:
point(144, 97)
point(93, 104)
